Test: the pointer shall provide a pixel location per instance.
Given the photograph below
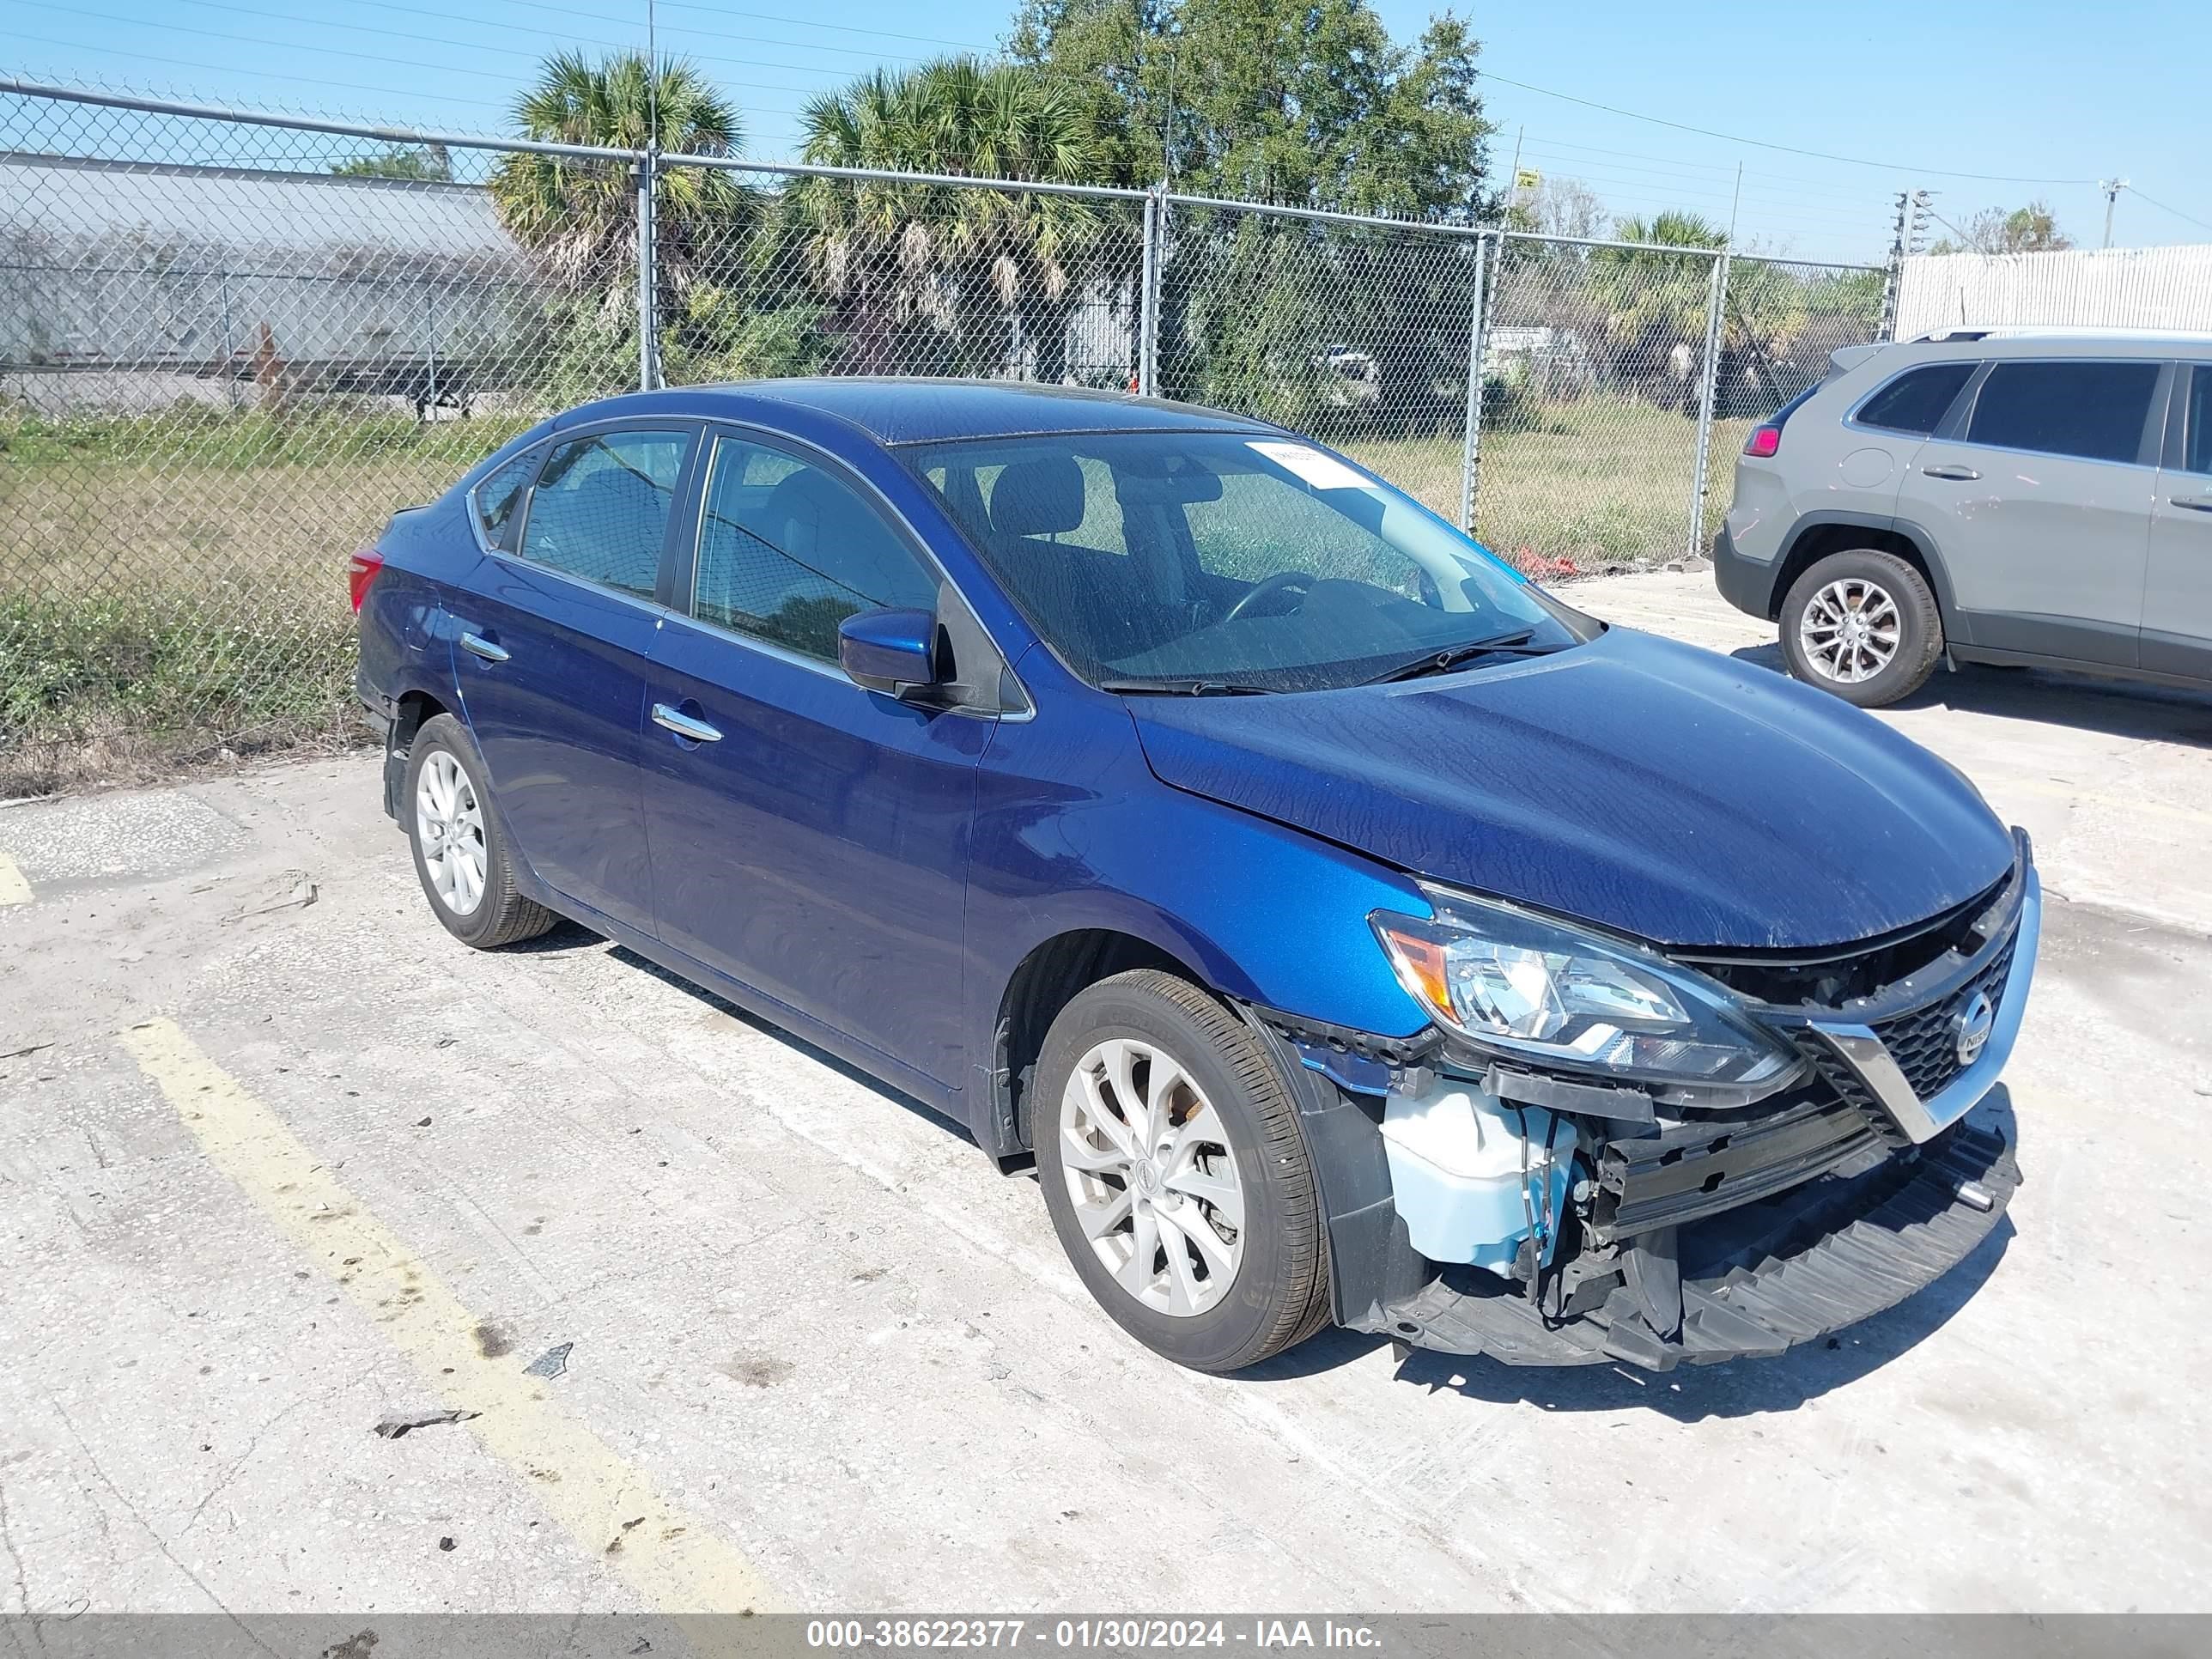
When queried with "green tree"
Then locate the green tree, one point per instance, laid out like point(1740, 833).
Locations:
point(579, 216)
point(426, 164)
point(939, 279)
point(2030, 229)
point(1651, 304)
point(1308, 103)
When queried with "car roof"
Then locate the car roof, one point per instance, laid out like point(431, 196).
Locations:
point(915, 410)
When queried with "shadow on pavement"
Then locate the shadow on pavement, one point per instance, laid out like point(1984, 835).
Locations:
point(630, 958)
point(2119, 708)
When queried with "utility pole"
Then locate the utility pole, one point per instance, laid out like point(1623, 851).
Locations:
point(1904, 241)
point(2112, 187)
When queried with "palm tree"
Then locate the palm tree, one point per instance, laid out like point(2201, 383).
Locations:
point(579, 216)
point(1652, 303)
point(911, 266)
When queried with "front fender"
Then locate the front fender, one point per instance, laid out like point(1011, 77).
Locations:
point(1073, 832)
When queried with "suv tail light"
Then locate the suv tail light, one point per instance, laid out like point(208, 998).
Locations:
point(360, 571)
point(1765, 440)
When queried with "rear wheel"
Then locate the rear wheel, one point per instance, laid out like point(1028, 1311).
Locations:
point(1863, 625)
point(460, 854)
point(1168, 1145)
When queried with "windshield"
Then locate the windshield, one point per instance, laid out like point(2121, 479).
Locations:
point(1220, 561)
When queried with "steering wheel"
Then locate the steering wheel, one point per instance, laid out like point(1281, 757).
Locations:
point(1281, 581)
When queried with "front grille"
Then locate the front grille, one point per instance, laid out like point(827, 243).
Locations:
point(1925, 1043)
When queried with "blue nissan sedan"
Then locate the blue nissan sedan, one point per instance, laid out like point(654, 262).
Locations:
point(1343, 928)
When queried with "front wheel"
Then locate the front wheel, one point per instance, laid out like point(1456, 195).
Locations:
point(1169, 1148)
point(1863, 625)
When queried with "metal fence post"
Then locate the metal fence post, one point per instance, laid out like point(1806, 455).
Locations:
point(430, 308)
point(1470, 453)
point(647, 257)
point(1710, 379)
point(229, 367)
point(1148, 302)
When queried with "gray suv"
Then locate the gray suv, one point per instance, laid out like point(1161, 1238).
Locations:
point(2036, 499)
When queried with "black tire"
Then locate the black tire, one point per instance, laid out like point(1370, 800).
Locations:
point(500, 915)
point(1279, 1294)
point(1919, 645)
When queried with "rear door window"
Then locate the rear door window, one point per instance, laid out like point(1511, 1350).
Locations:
point(1916, 402)
point(2091, 411)
point(787, 551)
point(2196, 431)
point(600, 509)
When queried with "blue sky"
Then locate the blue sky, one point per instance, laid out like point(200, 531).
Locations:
point(2051, 98)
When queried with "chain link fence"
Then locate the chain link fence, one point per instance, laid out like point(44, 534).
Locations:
point(231, 344)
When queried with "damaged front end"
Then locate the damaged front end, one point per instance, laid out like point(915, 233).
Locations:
point(1612, 1153)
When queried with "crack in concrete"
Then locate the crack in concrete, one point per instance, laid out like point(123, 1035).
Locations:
point(159, 1542)
point(14, 1555)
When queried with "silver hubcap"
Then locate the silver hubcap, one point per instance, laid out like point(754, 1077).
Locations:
point(449, 827)
point(1154, 1184)
point(1850, 631)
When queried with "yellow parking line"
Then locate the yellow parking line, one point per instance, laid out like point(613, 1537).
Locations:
point(13, 889)
point(677, 1561)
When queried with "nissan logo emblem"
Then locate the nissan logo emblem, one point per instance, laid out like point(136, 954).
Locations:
point(1971, 1027)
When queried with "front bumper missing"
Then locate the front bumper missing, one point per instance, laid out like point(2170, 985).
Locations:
point(1755, 1281)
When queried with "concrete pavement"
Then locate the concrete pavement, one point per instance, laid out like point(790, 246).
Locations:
point(280, 1161)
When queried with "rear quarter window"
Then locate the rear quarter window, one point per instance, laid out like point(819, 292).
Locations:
point(1917, 400)
point(498, 498)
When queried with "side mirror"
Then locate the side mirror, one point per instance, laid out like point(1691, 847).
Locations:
point(893, 652)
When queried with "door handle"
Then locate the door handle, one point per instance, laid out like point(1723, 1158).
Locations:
point(683, 726)
point(483, 647)
point(1956, 474)
point(2194, 503)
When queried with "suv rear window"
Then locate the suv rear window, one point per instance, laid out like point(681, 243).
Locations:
point(2093, 410)
point(1915, 402)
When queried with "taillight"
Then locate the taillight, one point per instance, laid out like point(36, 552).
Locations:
point(1764, 442)
point(360, 571)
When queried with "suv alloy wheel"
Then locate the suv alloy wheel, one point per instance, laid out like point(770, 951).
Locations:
point(1863, 625)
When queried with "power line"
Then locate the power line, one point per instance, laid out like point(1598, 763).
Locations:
point(409, 62)
point(1573, 167)
point(1762, 144)
point(2162, 208)
point(842, 28)
point(234, 69)
point(526, 52)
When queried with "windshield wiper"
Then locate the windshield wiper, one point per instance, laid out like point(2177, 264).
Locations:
point(1515, 644)
point(1184, 689)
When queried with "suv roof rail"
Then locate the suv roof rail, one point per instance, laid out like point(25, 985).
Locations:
point(2041, 330)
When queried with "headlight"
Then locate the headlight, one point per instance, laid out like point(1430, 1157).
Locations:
point(1527, 988)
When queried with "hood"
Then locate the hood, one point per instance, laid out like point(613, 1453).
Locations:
point(1650, 787)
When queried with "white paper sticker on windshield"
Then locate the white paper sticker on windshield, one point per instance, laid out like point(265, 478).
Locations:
point(1321, 472)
